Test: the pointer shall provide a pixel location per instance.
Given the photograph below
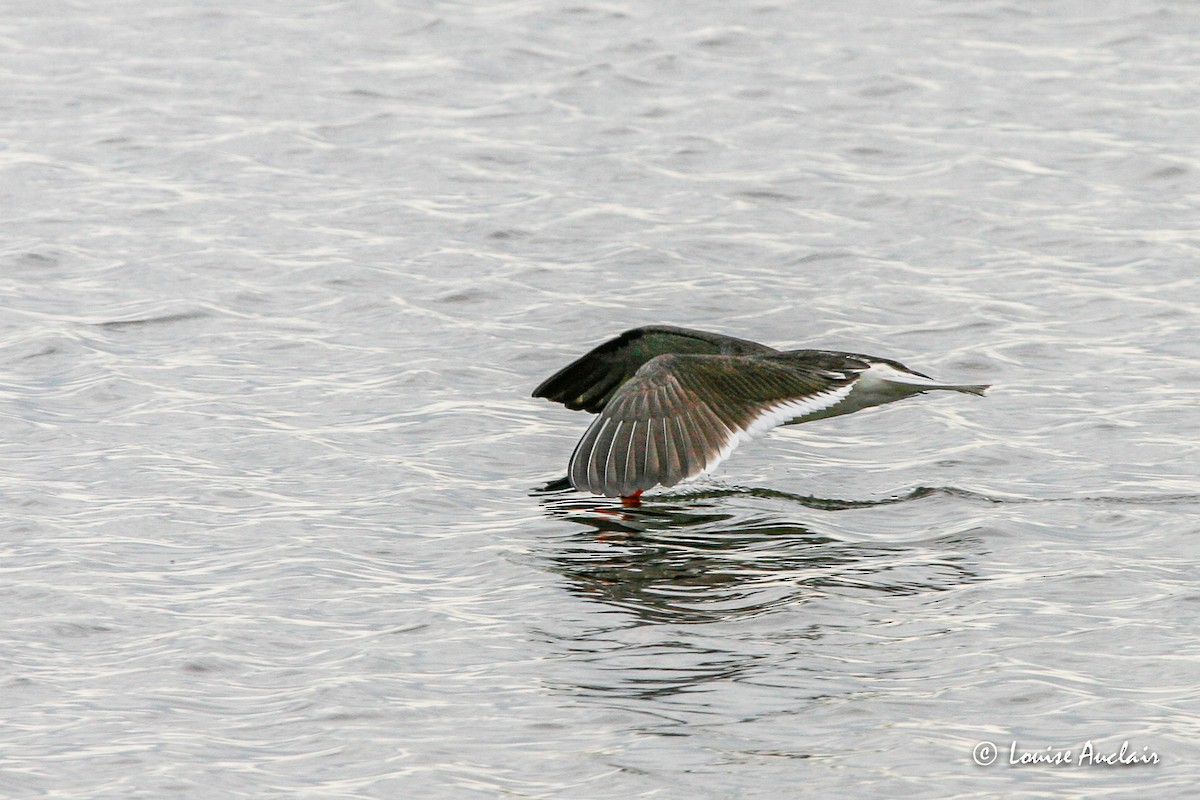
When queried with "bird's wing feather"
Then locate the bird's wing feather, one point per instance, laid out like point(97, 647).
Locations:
point(590, 381)
point(680, 416)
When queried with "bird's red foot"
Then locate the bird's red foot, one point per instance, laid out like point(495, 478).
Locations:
point(632, 500)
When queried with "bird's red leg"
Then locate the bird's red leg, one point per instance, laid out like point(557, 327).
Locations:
point(632, 500)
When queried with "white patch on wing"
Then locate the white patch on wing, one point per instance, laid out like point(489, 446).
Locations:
point(780, 413)
point(772, 417)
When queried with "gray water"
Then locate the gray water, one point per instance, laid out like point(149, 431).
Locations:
point(277, 280)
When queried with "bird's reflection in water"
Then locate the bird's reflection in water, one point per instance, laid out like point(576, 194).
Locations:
point(691, 559)
point(720, 605)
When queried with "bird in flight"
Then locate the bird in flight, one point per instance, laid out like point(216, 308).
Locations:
point(673, 403)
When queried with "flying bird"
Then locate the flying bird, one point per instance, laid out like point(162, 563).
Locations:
point(673, 403)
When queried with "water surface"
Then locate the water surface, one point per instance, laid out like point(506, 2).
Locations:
point(277, 284)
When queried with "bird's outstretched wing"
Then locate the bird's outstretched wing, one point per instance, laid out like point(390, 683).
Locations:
point(680, 416)
point(590, 381)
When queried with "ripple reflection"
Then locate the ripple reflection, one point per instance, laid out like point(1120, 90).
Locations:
point(693, 562)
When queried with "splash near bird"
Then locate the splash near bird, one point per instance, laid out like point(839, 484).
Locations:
point(674, 403)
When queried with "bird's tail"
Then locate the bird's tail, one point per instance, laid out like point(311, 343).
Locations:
point(968, 388)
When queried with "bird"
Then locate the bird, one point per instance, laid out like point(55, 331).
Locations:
point(673, 403)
